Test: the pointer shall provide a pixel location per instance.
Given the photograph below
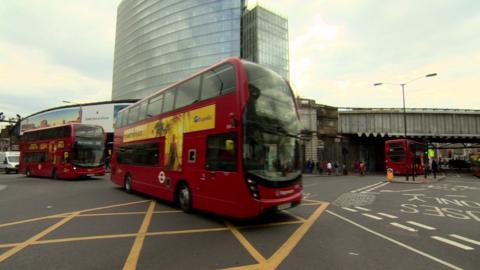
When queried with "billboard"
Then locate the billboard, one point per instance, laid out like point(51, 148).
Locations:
point(102, 114)
point(51, 119)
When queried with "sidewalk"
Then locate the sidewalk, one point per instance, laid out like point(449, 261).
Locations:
point(419, 179)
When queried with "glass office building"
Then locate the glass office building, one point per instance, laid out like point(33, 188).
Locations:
point(265, 39)
point(159, 42)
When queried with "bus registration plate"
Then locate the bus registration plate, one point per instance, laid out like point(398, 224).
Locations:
point(284, 206)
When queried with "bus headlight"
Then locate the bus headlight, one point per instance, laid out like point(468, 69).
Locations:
point(252, 187)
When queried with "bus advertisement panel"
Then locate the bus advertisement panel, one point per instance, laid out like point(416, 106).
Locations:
point(405, 156)
point(224, 140)
point(68, 151)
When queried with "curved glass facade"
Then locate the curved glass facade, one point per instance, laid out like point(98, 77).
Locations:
point(159, 42)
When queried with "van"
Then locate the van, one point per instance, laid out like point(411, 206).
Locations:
point(9, 161)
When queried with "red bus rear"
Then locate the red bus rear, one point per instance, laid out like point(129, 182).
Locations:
point(224, 140)
point(403, 155)
point(67, 151)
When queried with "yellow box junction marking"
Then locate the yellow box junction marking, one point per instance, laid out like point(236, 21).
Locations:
point(271, 263)
point(246, 244)
point(132, 259)
point(274, 261)
point(33, 239)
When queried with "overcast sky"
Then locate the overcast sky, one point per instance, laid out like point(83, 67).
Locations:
point(63, 50)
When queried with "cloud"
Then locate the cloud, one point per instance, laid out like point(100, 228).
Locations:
point(28, 74)
point(78, 34)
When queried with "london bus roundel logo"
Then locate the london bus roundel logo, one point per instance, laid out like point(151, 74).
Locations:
point(161, 177)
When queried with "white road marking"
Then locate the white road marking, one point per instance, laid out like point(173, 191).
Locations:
point(404, 190)
point(372, 216)
point(453, 243)
point(387, 215)
point(2, 187)
point(361, 208)
point(456, 196)
point(349, 209)
point(426, 255)
point(421, 225)
point(465, 239)
point(403, 227)
point(375, 187)
point(362, 188)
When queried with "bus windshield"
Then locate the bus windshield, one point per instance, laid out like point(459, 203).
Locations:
point(271, 127)
point(88, 146)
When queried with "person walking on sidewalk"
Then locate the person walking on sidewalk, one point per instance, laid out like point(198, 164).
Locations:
point(329, 168)
point(434, 168)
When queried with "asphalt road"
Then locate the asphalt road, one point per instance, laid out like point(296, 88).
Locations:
point(345, 222)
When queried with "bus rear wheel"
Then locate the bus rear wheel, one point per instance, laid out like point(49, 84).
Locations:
point(184, 198)
point(128, 184)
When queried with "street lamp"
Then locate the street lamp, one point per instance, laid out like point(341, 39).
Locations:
point(404, 110)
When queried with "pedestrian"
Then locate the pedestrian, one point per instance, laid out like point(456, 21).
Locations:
point(319, 167)
point(335, 167)
point(426, 164)
point(344, 168)
point(434, 168)
point(361, 168)
point(329, 168)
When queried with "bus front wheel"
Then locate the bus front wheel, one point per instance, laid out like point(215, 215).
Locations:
point(128, 184)
point(184, 198)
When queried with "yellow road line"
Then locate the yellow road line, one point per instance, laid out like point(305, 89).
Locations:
point(23, 245)
point(274, 261)
point(69, 213)
point(132, 259)
point(84, 238)
point(293, 215)
point(219, 229)
point(112, 236)
point(288, 246)
point(31, 220)
point(129, 213)
point(269, 224)
point(246, 244)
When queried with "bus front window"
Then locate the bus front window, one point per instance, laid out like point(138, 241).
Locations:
point(89, 147)
point(271, 146)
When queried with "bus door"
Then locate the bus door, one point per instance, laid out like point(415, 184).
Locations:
point(221, 180)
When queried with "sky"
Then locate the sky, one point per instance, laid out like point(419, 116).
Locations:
point(58, 50)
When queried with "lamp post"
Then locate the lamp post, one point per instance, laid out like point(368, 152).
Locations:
point(404, 109)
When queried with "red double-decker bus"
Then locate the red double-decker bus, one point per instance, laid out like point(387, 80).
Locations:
point(405, 156)
point(67, 151)
point(225, 140)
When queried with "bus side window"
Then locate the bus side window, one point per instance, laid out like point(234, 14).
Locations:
point(218, 81)
point(221, 152)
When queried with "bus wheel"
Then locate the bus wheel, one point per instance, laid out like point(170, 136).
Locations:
point(128, 184)
point(28, 173)
point(54, 174)
point(184, 198)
